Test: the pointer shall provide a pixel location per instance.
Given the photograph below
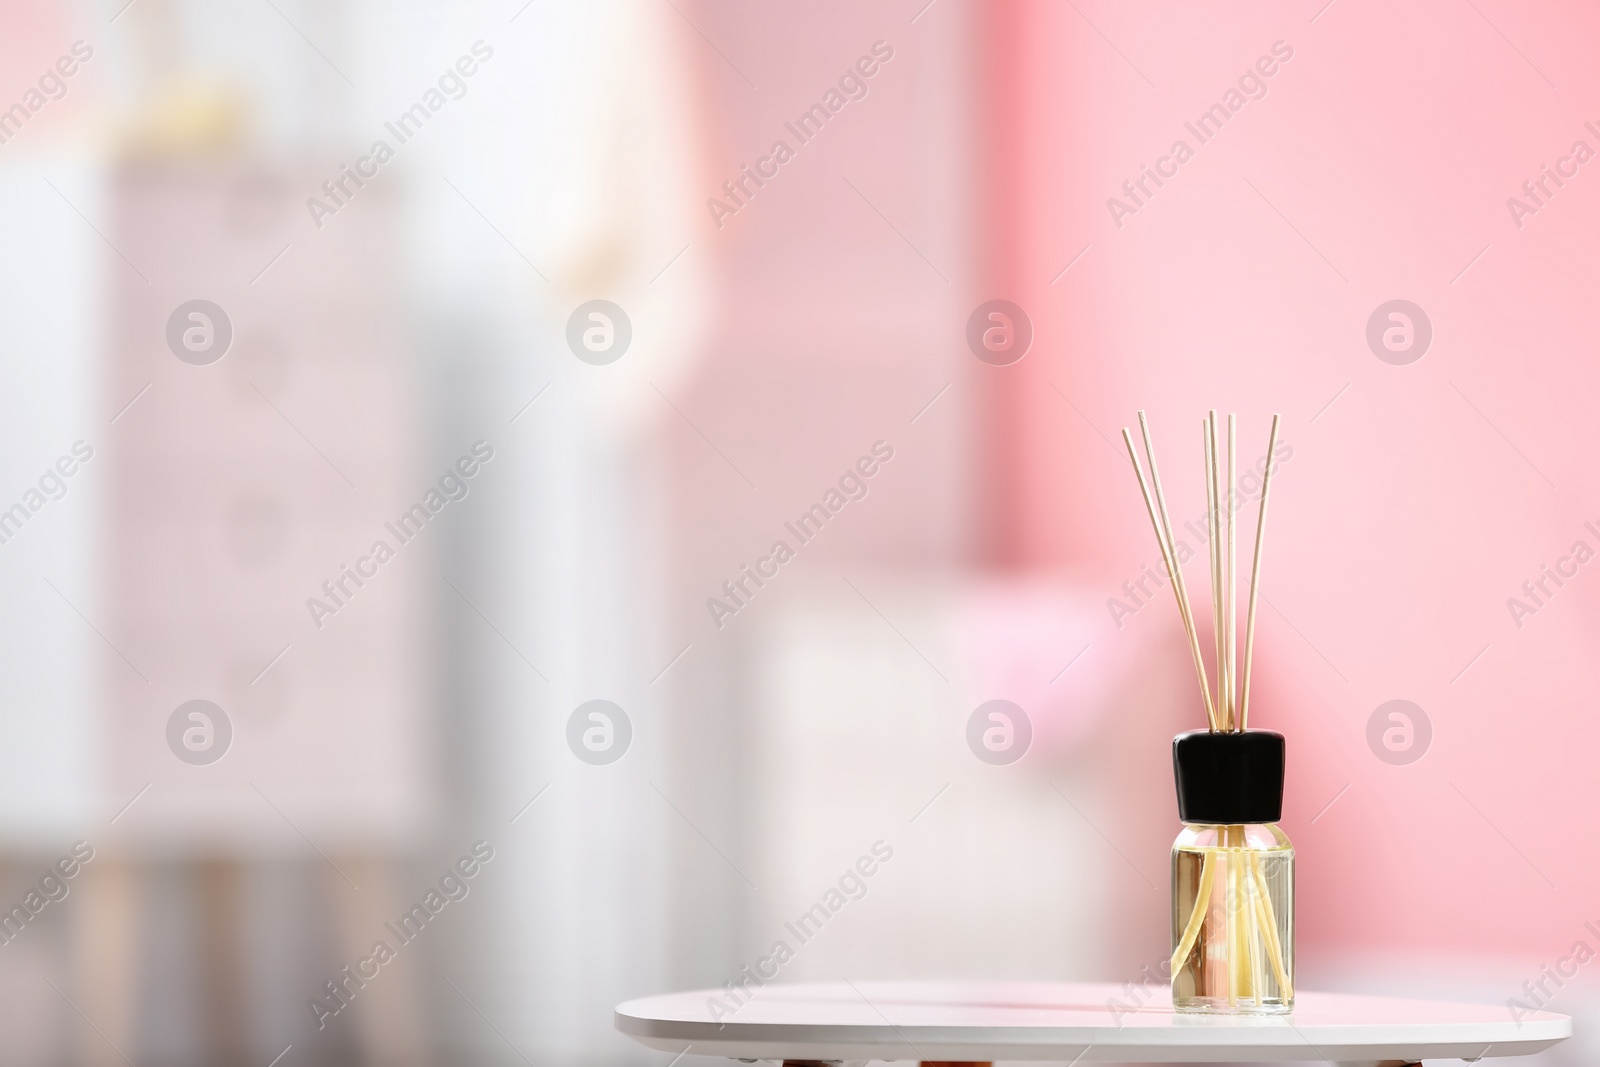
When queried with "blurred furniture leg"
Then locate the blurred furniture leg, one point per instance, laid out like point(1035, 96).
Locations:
point(111, 894)
point(388, 1011)
point(222, 963)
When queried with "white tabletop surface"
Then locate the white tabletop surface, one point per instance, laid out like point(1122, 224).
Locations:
point(1068, 1022)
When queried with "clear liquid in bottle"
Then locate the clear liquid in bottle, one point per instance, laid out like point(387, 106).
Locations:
point(1233, 920)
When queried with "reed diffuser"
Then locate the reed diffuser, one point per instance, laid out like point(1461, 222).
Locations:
point(1232, 867)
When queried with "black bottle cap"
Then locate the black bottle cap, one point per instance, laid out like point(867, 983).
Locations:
point(1229, 778)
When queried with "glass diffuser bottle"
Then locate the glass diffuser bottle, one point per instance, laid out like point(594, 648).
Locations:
point(1232, 876)
point(1232, 868)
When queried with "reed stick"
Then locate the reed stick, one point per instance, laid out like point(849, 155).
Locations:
point(1214, 547)
point(1255, 580)
point(1231, 583)
point(1254, 936)
point(1169, 555)
point(1231, 914)
point(1197, 917)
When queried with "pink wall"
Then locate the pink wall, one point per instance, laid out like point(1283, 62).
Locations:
point(1377, 166)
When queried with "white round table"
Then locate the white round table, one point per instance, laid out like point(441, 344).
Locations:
point(973, 1022)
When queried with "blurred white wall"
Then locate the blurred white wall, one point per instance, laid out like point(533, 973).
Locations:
point(52, 302)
